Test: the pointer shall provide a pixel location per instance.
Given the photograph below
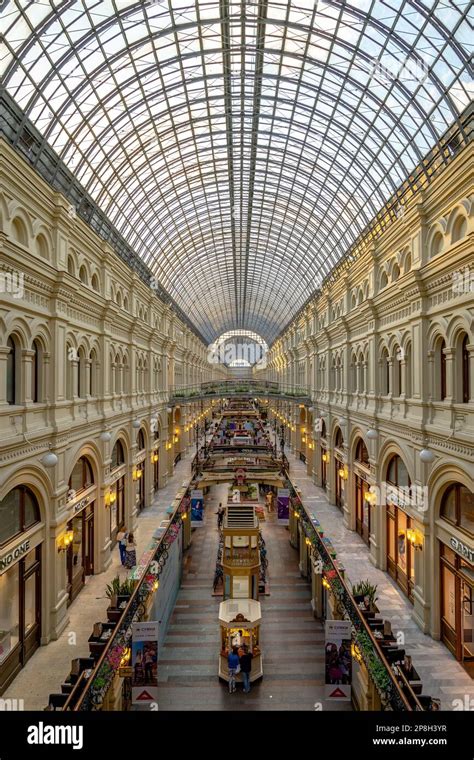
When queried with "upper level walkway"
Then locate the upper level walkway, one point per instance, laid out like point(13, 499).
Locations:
point(240, 389)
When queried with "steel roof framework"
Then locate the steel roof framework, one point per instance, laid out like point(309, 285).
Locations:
point(239, 148)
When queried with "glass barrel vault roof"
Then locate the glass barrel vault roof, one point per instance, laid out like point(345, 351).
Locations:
point(240, 148)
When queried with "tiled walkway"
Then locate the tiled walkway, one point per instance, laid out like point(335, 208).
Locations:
point(443, 677)
point(292, 640)
point(50, 665)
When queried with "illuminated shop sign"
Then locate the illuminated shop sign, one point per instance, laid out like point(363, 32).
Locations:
point(462, 549)
point(8, 559)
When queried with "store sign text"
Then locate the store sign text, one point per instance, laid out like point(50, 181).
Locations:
point(462, 549)
point(15, 554)
point(81, 504)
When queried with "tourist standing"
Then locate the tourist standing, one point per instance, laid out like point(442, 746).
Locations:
point(234, 666)
point(130, 552)
point(246, 668)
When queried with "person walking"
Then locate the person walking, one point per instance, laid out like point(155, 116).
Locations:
point(130, 552)
point(122, 541)
point(234, 667)
point(246, 668)
point(220, 516)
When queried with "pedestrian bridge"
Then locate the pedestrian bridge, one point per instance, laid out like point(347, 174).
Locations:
point(240, 389)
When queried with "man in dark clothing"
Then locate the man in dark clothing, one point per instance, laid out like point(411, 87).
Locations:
point(220, 516)
point(245, 668)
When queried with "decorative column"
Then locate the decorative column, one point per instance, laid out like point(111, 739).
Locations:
point(26, 375)
point(450, 354)
point(4, 351)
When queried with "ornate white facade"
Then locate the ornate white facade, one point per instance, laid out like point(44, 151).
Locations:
point(387, 346)
point(88, 353)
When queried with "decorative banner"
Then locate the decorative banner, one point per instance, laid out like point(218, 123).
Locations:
point(283, 505)
point(338, 660)
point(197, 508)
point(145, 663)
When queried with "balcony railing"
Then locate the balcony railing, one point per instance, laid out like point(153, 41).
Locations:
point(236, 388)
point(108, 664)
point(391, 693)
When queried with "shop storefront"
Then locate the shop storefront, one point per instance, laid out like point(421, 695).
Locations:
point(323, 452)
point(361, 487)
point(457, 573)
point(139, 473)
point(400, 551)
point(80, 551)
point(155, 462)
point(21, 538)
point(339, 468)
point(115, 499)
point(362, 506)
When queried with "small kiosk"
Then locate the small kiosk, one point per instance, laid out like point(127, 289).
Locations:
point(241, 557)
point(239, 621)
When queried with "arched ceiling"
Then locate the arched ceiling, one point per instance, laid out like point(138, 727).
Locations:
point(240, 148)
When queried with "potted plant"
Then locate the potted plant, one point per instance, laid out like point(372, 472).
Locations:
point(112, 591)
point(366, 592)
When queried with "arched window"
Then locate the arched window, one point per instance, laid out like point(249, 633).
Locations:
point(442, 370)
point(81, 374)
point(361, 453)
point(19, 510)
point(95, 283)
point(118, 374)
point(141, 440)
point(354, 380)
point(408, 371)
point(92, 373)
point(12, 361)
point(19, 231)
point(118, 456)
point(465, 372)
point(323, 429)
point(397, 473)
point(35, 372)
point(398, 373)
point(70, 266)
point(383, 280)
point(385, 373)
point(83, 274)
point(71, 357)
point(42, 246)
point(437, 244)
point(407, 265)
point(395, 273)
point(81, 475)
point(459, 229)
point(457, 507)
point(339, 440)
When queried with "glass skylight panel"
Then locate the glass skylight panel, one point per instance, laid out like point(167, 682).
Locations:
point(289, 136)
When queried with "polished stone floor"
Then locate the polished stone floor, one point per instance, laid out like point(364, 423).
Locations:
point(443, 677)
point(49, 666)
point(292, 641)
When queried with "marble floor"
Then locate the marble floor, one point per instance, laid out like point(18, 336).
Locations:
point(49, 666)
point(292, 641)
point(443, 677)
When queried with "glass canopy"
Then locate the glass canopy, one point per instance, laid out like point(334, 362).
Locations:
point(239, 147)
